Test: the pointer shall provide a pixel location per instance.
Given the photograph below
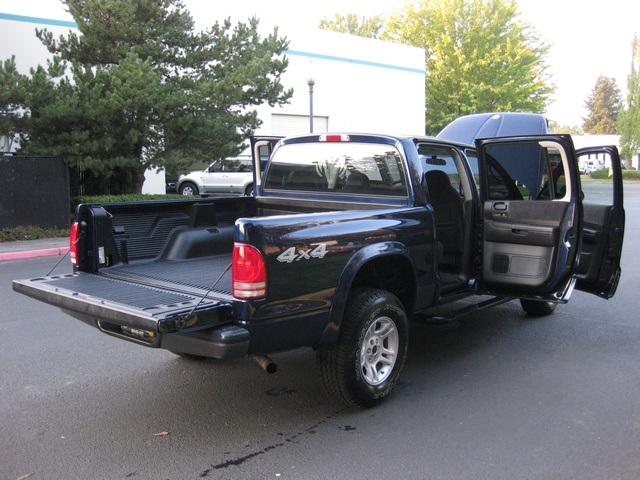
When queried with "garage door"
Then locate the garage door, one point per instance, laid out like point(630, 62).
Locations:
point(288, 125)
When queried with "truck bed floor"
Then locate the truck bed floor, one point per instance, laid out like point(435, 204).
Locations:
point(195, 276)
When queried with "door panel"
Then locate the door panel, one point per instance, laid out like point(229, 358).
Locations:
point(529, 189)
point(598, 270)
point(521, 244)
point(593, 240)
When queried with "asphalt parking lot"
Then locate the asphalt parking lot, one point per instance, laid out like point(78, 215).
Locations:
point(504, 396)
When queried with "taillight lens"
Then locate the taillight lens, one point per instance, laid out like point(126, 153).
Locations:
point(248, 272)
point(332, 137)
point(73, 242)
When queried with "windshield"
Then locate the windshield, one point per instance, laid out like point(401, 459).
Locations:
point(340, 167)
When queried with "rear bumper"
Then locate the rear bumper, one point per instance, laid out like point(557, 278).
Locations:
point(223, 342)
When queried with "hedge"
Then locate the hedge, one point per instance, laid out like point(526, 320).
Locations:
point(627, 174)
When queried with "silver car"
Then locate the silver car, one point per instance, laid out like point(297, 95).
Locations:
point(228, 176)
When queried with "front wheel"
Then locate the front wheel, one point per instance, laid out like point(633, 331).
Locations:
point(365, 364)
point(188, 188)
point(537, 308)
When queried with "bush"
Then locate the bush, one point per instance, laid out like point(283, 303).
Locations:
point(630, 174)
point(627, 174)
point(601, 174)
point(133, 197)
point(30, 232)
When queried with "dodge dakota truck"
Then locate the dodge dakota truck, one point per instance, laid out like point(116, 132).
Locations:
point(346, 239)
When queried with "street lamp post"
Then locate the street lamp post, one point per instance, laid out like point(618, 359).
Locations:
point(311, 82)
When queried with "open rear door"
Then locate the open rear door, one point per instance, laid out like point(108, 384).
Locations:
point(530, 192)
point(261, 149)
point(598, 269)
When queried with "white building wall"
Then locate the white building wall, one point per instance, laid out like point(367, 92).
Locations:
point(361, 84)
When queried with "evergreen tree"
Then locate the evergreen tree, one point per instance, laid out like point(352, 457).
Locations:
point(11, 99)
point(603, 106)
point(137, 87)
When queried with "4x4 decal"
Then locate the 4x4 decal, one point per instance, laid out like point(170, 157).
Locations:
point(291, 254)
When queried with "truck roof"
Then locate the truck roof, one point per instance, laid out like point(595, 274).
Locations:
point(468, 128)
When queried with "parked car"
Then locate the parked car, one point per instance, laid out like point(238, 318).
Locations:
point(587, 166)
point(170, 187)
point(230, 176)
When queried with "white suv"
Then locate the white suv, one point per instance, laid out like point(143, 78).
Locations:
point(231, 175)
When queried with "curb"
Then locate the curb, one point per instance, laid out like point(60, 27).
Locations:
point(45, 252)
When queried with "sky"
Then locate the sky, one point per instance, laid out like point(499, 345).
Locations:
point(587, 38)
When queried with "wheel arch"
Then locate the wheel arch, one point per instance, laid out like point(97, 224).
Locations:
point(199, 187)
point(386, 266)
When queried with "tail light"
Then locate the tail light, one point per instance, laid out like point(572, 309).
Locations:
point(334, 137)
point(73, 242)
point(248, 272)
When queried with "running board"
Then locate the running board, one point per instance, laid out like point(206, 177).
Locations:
point(451, 318)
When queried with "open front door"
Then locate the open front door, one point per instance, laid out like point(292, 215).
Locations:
point(529, 187)
point(598, 269)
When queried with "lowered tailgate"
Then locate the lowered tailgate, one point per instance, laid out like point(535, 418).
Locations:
point(159, 297)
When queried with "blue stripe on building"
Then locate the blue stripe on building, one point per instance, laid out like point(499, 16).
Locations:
point(64, 23)
point(42, 21)
point(354, 61)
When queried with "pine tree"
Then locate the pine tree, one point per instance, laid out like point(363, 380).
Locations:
point(137, 87)
point(603, 106)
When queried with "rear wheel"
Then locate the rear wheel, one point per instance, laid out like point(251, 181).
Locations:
point(249, 190)
point(365, 364)
point(537, 308)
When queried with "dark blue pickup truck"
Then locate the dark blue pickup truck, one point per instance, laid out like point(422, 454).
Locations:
point(347, 238)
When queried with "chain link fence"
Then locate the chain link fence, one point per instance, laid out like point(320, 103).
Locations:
point(34, 190)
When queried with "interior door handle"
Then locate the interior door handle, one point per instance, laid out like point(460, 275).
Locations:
point(500, 209)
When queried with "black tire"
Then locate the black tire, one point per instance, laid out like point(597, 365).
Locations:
point(188, 188)
point(536, 308)
point(249, 190)
point(365, 364)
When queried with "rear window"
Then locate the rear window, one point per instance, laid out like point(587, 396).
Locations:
point(341, 167)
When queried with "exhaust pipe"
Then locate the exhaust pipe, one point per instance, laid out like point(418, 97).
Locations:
point(266, 363)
